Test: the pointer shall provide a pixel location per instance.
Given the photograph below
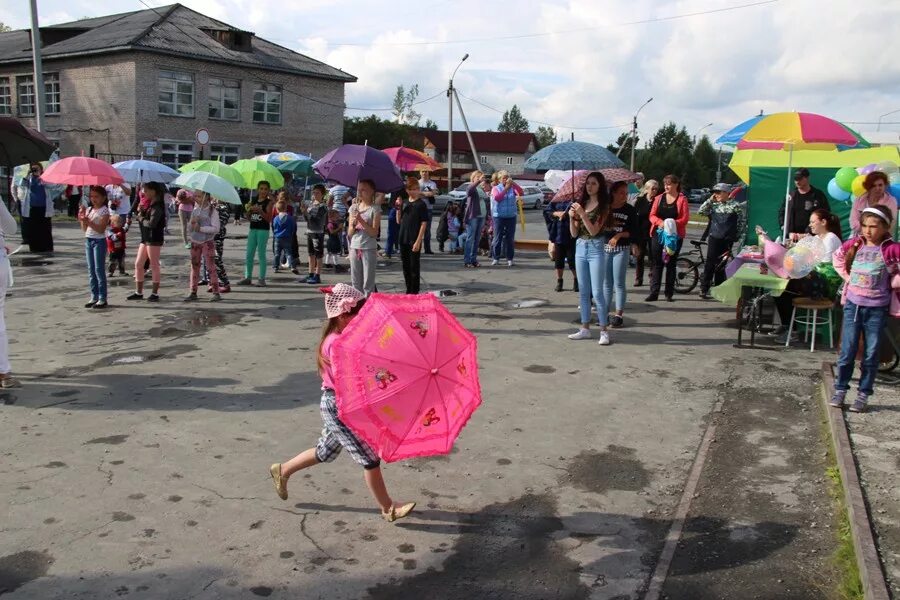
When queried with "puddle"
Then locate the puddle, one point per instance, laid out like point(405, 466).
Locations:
point(30, 262)
point(446, 293)
point(22, 567)
point(615, 469)
point(525, 303)
point(128, 360)
point(195, 323)
point(122, 358)
point(539, 369)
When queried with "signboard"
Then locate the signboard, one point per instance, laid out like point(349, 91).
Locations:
point(150, 148)
point(202, 136)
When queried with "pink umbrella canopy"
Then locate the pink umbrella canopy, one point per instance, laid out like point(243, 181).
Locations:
point(572, 187)
point(408, 159)
point(81, 170)
point(406, 376)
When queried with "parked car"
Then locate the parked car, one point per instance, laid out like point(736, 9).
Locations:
point(457, 195)
point(532, 197)
point(698, 196)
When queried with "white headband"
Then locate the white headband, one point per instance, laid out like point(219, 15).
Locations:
point(877, 213)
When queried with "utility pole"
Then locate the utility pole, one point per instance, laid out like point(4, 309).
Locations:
point(38, 78)
point(476, 159)
point(634, 130)
point(450, 94)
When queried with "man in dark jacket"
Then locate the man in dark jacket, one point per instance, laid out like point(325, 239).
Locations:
point(804, 200)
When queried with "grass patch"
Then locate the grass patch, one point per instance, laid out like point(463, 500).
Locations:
point(849, 584)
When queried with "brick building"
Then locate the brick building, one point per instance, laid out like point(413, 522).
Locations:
point(146, 81)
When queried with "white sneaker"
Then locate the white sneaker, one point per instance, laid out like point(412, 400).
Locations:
point(581, 334)
point(509, 263)
point(604, 339)
point(494, 262)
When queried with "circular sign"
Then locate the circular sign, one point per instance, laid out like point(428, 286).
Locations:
point(203, 136)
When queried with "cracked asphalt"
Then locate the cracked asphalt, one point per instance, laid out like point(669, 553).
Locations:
point(135, 456)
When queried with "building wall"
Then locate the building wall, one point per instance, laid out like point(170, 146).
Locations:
point(96, 103)
point(307, 126)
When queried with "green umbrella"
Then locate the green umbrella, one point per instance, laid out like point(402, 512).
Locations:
point(253, 171)
point(298, 168)
point(215, 167)
point(213, 185)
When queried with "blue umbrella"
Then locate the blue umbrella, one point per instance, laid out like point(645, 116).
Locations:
point(145, 171)
point(573, 155)
point(736, 134)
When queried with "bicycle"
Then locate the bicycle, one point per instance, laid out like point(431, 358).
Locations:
point(687, 271)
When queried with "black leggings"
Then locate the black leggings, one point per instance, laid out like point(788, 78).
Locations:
point(411, 268)
point(563, 253)
point(657, 265)
point(715, 249)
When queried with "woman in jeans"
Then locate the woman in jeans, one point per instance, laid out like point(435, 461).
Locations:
point(669, 205)
point(93, 222)
point(587, 222)
point(473, 219)
point(504, 208)
point(622, 223)
point(364, 227)
point(152, 221)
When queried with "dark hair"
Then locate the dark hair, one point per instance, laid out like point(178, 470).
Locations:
point(603, 200)
point(100, 190)
point(615, 186)
point(673, 179)
point(264, 182)
point(158, 189)
point(319, 187)
point(368, 182)
point(331, 326)
point(871, 178)
point(832, 222)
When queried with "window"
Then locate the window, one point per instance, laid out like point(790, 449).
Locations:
point(25, 94)
point(5, 96)
point(267, 104)
point(224, 99)
point(176, 94)
point(509, 160)
point(227, 154)
point(176, 154)
point(484, 159)
point(51, 93)
point(259, 151)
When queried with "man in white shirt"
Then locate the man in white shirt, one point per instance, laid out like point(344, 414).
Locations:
point(429, 191)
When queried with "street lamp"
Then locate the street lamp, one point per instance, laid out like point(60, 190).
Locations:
point(450, 125)
point(634, 129)
point(699, 131)
point(878, 128)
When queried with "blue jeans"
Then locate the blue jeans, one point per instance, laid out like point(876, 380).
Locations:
point(616, 266)
point(95, 251)
point(867, 321)
point(504, 240)
point(392, 238)
point(473, 236)
point(284, 252)
point(590, 267)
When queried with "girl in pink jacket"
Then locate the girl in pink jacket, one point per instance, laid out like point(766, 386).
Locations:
point(870, 267)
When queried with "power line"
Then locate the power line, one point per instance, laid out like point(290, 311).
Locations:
point(565, 31)
point(497, 110)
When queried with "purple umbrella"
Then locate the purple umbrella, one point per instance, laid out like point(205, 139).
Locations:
point(350, 163)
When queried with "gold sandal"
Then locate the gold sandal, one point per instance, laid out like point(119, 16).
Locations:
point(397, 513)
point(279, 481)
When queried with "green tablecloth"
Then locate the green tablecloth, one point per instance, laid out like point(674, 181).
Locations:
point(748, 275)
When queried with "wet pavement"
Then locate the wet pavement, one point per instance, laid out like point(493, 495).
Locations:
point(136, 454)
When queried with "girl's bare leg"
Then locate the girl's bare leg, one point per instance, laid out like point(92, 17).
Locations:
point(375, 483)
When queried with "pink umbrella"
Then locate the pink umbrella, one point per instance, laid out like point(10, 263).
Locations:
point(408, 159)
point(406, 376)
point(80, 170)
point(613, 174)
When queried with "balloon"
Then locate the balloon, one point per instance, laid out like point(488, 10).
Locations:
point(894, 178)
point(857, 186)
point(868, 169)
point(800, 260)
point(844, 178)
point(888, 167)
point(859, 170)
point(835, 191)
point(894, 191)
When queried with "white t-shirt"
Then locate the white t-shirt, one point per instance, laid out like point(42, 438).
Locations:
point(831, 243)
point(118, 200)
point(95, 215)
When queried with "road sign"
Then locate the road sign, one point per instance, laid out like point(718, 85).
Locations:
point(203, 136)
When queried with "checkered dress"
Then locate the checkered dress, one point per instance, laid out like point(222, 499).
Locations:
point(337, 436)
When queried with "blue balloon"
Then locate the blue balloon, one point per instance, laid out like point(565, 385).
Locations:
point(894, 191)
point(835, 191)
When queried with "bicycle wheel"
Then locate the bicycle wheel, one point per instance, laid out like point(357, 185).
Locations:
point(687, 274)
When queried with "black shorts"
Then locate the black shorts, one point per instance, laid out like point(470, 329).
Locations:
point(315, 244)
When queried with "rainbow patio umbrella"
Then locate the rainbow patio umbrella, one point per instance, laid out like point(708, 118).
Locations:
point(792, 131)
point(406, 376)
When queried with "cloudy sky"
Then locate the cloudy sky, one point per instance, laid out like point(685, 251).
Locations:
point(583, 66)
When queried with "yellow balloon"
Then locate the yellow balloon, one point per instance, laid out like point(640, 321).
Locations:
point(857, 186)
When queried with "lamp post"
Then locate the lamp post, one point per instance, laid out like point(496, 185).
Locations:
point(450, 125)
point(878, 128)
point(699, 131)
point(634, 129)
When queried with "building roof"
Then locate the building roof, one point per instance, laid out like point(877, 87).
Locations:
point(485, 141)
point(174, 30)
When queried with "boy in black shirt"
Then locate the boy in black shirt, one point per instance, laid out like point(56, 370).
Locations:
point(413, 220)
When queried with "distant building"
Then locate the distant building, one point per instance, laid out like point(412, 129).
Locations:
point(147, 81)
point(496, 150)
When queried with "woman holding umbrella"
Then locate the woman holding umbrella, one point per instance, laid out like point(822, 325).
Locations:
point(36, 209)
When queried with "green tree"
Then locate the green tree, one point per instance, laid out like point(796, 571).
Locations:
point(4, 27)
point(513, 121)
point(705, 158)
point(381, 133)
point(429, 124)
point(670, 151)
point(623, 143)
point(403, 103)
point(546, 136)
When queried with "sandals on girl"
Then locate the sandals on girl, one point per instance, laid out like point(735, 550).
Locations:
point(279, 481)
point(398, 512)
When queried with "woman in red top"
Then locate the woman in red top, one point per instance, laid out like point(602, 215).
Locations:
point(671, 204)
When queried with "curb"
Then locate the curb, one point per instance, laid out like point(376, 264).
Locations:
point(873, 581)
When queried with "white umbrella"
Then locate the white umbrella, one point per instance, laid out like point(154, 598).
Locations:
point(145, 171)
point(213, 185)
